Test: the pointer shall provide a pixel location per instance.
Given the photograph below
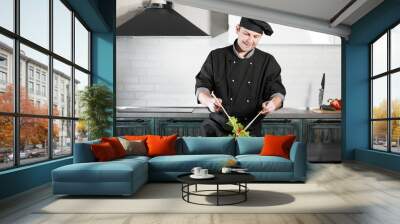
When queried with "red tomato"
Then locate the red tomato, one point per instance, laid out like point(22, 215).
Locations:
point(336, 103)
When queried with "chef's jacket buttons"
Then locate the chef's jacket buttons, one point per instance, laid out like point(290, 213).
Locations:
point(233, 80)
point(248, 101)
point(249, 82)
point(231, 98)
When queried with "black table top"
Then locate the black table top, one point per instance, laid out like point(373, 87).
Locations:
point(220, 178)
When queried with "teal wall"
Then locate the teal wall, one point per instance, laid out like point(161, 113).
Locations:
point(355, 57)
point(103, 64)
point(24, 178)
point(99, 16)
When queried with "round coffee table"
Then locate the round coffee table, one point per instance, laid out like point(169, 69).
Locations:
point(238, 179)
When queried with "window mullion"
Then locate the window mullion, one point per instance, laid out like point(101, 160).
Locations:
point(389, 108)
point(50, 81)
point(73, 82)
point(16, 85)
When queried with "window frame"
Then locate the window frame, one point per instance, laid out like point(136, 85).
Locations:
point(388, 74)
point(16, 114)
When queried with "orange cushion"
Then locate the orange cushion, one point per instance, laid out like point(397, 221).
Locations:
point(275, 145)
point(135, 137)
point(161, 145)
point(103, 151)
point(116, 145)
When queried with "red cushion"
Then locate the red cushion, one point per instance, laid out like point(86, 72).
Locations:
point(103, 151)
point(275, 145)
point(161, 145)
point(135, 137)
point(116, 145)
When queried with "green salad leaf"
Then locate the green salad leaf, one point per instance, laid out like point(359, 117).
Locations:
point(237, 128)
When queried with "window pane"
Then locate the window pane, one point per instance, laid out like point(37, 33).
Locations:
point(35, 21)
point(6, 142)
point(395, 95)
point(33, 139)
point(7, 14)
point(81, 81)
point(34, 79)
point(379, 135)
point(395, 136)
point(62, 89)
point(62, 29)
point(395, 47)
point(81, 45)
point(62, 138)
point(81, 132)
point(379, 97)
point(6, 74)
point(379, 55)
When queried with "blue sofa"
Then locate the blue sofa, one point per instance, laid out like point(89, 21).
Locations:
point(125, 176)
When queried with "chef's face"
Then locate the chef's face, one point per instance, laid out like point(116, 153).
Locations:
point(247, 39)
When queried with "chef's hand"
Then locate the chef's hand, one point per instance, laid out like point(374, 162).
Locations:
point(215, 105)
point(209, 101)
point(269, 106)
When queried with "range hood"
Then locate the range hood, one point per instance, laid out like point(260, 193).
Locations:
point(159, 19)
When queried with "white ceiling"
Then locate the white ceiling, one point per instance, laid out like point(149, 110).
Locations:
point(320, 9)
point(314, 15)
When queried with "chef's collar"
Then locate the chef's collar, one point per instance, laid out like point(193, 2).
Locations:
point(248, 55)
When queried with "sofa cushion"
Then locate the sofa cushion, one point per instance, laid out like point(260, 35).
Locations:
point(185, 163)
point(249, 145)
point(277, 145)
point(134, 147)
point(257, 163)
point(207, 145)
point(103, 152)
point(111, 171)
point(161, 145)
point(116, 145)
point(135, 137)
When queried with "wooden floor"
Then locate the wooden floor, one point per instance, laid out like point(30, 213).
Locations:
point(377, 188)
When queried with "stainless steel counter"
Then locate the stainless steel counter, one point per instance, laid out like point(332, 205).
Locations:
point(202, 112)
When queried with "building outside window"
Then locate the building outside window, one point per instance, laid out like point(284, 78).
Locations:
point(30, 72)
point(3, 71)
point(43, 90)
point(30, 87)
point(34, 79)
point(37, 74)
point(385, 96)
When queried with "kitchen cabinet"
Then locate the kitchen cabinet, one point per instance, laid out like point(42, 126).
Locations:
point(180, 126)
point(323, 139)
point(135, 126)
point(322, 136)
point(282, 127)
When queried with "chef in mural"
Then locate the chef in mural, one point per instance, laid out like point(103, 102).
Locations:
point(245, 81)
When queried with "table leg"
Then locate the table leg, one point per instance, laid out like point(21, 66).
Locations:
point(245, 193)
point(217, 194)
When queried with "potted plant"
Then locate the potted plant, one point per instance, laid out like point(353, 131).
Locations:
point(96, 102)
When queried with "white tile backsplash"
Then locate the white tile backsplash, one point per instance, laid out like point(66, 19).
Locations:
point(160, 71)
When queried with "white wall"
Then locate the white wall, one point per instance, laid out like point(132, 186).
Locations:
point(160, 71)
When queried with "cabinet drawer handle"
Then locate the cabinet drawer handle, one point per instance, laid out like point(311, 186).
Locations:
point(278, 121)
point(326, 121)
point(139, 120)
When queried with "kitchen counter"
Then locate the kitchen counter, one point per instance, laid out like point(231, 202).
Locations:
point(202, 112)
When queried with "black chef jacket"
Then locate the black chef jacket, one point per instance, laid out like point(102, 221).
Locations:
point(242, 84)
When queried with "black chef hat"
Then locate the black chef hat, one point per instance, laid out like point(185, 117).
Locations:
point(256, 26)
